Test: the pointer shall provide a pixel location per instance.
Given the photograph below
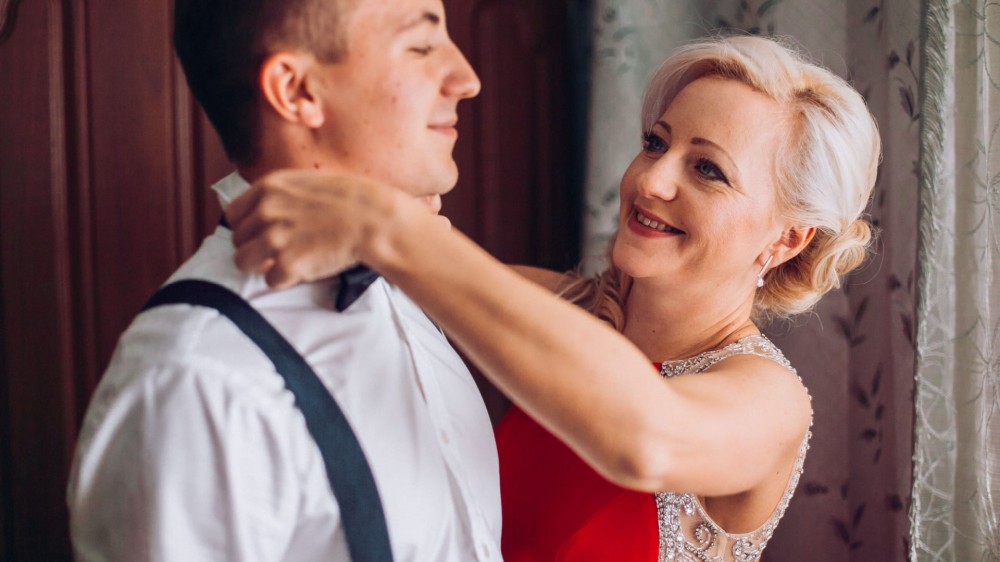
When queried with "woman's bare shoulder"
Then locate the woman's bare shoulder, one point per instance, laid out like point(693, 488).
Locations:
point(770, 386)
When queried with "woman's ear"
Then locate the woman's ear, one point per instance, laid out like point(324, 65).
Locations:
point(288, 85)
point(793, 240)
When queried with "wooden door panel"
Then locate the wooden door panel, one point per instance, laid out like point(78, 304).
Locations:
point(137, 197)
point(513, 195)
point(36, 280)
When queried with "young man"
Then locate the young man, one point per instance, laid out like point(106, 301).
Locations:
point(193, 448)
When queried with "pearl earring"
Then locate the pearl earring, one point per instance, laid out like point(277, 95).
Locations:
point(763, 270)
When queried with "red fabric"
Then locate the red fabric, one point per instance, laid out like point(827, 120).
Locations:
point(556, 508)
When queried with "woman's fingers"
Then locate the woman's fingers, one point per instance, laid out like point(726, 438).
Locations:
point(256, 255)
point(304, 225)
point(293, 227)
point(443, 221)
point(282, 274)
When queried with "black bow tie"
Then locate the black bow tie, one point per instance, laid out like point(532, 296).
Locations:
point(353, 282)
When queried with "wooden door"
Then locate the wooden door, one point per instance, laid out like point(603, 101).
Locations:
point(104, 167)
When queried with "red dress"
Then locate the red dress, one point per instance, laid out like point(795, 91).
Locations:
point(557, 508)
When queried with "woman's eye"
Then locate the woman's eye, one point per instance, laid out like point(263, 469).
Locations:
point(423, 50)
point(653, 143)
point(708, 170)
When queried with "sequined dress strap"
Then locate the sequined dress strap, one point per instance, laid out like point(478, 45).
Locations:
point(687, 532)
point(750, 345)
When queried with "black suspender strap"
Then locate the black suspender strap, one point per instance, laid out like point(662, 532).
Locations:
point(346, 467)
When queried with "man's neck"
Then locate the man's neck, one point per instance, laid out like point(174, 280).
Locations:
point(286, 147)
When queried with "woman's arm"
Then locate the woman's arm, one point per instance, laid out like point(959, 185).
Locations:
point(552, 281)
point(714, 434)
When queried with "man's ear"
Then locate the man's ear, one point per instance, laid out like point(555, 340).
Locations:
point(290, 89)
point(793, 240)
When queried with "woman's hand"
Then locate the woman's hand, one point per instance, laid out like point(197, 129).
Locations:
point(301, 225)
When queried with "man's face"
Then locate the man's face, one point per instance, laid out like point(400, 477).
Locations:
point(390, 104)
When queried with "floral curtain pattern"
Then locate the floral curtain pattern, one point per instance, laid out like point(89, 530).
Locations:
point(956, 504)
point(856, 352)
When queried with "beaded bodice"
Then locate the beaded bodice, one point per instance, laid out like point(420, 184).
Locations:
point(687, 533)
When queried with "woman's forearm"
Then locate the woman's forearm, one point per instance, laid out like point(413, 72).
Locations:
point(582, 380)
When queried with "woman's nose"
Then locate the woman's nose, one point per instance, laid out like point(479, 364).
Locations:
point(659, 181)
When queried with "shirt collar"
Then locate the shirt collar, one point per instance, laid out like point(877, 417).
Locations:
point(351, 283)
point(229, 188)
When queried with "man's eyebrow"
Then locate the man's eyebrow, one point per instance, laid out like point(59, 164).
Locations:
point(429, 18)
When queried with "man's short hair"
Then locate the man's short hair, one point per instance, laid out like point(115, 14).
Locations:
point(222, 44)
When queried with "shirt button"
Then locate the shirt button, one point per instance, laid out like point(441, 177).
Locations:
point(486, 550)
point(444, 437)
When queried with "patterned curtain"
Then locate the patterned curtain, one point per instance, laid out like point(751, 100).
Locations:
point(956, 500)
point(856, 352)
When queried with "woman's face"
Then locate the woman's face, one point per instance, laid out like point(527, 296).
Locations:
point(699, 201)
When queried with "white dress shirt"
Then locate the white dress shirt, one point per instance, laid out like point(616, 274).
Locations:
point(192, 449)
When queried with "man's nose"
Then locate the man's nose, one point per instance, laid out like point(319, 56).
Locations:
point(462, 81)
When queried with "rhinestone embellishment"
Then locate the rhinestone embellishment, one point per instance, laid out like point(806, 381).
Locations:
point(686, 532)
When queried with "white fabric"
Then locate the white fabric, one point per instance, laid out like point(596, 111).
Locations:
point(956, 489)
point(192, 449)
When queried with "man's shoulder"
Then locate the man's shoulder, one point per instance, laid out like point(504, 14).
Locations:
point(180, 346)
point(193, 339)
point(215, 261)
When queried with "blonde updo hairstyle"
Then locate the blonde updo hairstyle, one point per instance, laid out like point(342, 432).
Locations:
point(826, 169)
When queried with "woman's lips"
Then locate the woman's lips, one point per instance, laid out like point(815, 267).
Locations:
point(649, 225)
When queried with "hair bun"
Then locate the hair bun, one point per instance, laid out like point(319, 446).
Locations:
point(852, 246)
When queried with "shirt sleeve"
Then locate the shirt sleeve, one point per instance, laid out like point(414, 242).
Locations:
point(182, 463)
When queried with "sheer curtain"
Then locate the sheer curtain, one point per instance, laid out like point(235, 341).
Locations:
point(956, 501)
point(856, 353)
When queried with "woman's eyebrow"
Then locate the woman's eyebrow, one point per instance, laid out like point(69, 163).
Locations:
point(699, 141)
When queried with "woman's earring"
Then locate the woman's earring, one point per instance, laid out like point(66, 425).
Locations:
point(763, 270)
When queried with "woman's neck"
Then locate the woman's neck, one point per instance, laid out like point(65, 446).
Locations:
point(683, 325)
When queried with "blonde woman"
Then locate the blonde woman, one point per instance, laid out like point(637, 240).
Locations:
point(672, 430)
